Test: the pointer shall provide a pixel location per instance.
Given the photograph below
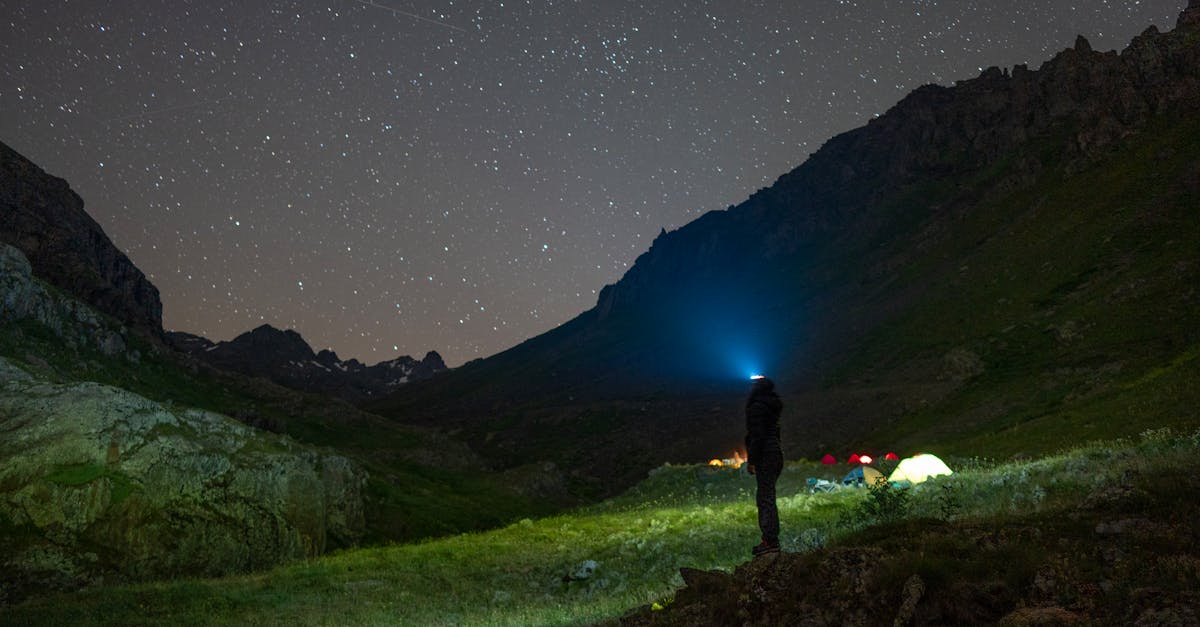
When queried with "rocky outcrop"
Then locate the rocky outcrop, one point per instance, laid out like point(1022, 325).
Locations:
point(1091, 566)
point(41, 216)
point(24, 297)
point(284, 357)
point(100, 483)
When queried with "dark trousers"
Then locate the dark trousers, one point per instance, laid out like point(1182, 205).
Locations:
point(766, 473)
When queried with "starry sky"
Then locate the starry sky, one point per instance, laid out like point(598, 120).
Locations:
point(389, 177)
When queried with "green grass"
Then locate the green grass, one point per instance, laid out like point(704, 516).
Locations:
point(1076, 293)
point(680, 516)
point(81, 474)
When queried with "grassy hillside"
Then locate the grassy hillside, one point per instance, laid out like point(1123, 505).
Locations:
point(1046, 298)
point(1065, 310)
point(421, 483)
point(704, 518)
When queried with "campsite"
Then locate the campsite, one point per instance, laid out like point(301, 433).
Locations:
point(610, 313)
point(972, 533)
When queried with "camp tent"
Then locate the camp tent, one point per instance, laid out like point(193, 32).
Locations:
point(892, 457)
point(828, 460)
point(918, 468)
point(863, 475)
point(853, 459)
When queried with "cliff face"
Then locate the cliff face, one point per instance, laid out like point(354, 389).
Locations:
point(924, 269)
point(42, 217)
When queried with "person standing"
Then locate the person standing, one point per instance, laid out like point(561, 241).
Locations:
point(764, 458)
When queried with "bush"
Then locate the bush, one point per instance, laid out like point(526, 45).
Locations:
point(885, 502)
point(947, 501)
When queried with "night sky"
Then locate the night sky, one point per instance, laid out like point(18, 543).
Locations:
point(397, 176)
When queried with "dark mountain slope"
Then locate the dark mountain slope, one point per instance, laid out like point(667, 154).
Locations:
point(1019, 235)
point(285, 358)
point(44, 219)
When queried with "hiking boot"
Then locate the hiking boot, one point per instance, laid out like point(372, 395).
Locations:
point(765, 547)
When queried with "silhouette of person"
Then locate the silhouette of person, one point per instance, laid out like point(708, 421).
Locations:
point(764, 458)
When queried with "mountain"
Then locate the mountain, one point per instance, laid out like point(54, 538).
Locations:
point(101, 483)
point(42, 217)
point(985, 269)
point(285, 358)
point(123, 460)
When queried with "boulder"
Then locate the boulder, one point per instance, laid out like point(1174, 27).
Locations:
point(101, 483)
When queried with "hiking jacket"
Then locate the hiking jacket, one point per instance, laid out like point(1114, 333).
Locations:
point(762, 422)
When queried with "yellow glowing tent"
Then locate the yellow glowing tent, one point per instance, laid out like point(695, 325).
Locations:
point(918, 468)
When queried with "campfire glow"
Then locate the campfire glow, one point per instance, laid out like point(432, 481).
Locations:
point(730, 462)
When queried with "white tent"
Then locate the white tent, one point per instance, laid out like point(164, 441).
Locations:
point(918, 468)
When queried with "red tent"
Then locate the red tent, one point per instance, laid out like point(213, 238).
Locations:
point(891, 457)
point(828, 459)
point(854, 459)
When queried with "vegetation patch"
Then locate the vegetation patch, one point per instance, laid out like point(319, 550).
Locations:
point(75, 475)
point(1012, 526)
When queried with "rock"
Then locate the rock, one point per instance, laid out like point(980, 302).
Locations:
point(1168, 617)
point(1045, 584)
point(100, 483)
point(705, 580)
point(41, 216)
point(961, 364)
point(110, 344)
point(1039, 616)
point(24, 296)
point(584, 570)
point(1139, 526)
point(914, 589)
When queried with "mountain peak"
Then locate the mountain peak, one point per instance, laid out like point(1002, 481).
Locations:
point(283, 356)
point(281, 344)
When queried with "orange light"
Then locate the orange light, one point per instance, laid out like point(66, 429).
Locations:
point(730, 462)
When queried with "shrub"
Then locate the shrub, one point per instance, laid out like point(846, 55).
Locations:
point(885, 502)
point(947, 501)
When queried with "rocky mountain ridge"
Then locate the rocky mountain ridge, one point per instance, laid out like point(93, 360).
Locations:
point(933, 133)
point(284, 357)
point(42, 217)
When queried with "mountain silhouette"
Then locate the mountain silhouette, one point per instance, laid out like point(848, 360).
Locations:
point(923, 279)
point(284, 357)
